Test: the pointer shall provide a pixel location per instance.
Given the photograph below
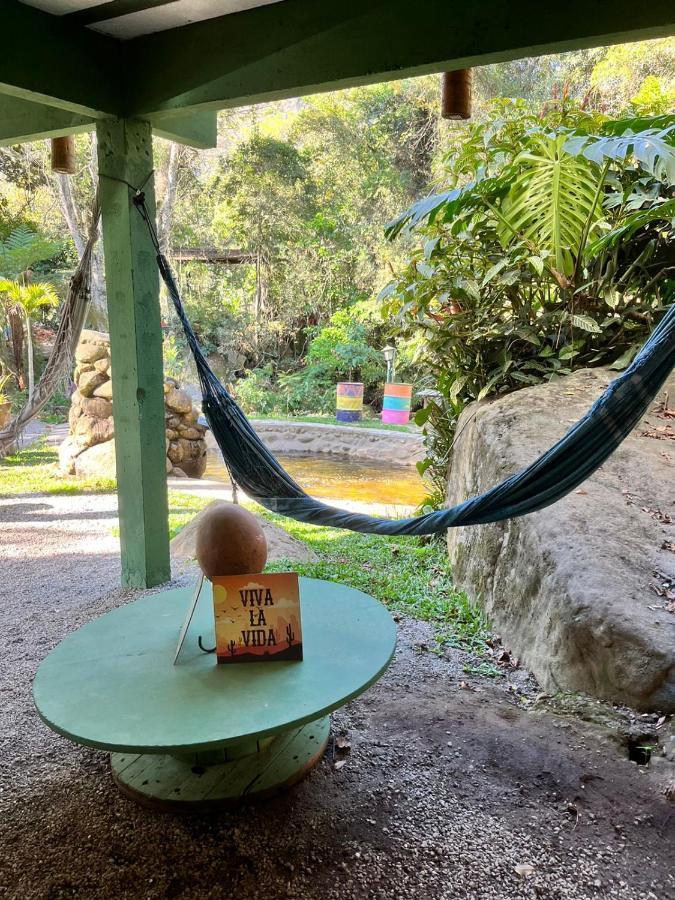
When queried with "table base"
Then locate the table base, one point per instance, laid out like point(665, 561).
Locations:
point(222, 777)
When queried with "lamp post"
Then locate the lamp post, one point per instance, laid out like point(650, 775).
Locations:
point(389, 353)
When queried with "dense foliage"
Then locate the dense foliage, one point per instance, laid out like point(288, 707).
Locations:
point(551, 248)
point(302, 189)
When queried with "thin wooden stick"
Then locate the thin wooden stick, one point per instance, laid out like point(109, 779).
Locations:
point(188, 617)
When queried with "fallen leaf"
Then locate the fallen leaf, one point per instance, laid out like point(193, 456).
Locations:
point(339, 764)
point(524, 870)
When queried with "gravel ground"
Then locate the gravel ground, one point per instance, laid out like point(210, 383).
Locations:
point(447, 783)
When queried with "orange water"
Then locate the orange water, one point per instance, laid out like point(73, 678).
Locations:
point(344, 479)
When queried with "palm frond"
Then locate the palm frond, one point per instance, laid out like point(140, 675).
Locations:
point(21, 249)
point(653, 149)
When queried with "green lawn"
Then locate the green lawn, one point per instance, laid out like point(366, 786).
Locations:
point(35, 471)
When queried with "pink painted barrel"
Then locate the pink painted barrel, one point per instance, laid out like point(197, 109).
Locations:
point(396, 404)
point(349, 401)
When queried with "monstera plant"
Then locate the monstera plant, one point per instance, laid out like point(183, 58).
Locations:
point(552, 247)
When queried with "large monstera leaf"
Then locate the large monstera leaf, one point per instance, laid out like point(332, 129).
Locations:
point(553, 203)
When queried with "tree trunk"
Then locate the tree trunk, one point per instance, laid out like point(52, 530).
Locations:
point(168, 187)
point(31, 361)
point(165, 216)
point(16, 342)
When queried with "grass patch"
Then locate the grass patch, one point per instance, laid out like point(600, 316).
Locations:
point(330, 420)
point(487, 669)
point(407, 574)
point(182, 509)
point(34, 470)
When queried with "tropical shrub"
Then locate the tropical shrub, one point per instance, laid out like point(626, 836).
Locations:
point(558, 254)
point(338, 351)
point(20, 301)
point(257, 393)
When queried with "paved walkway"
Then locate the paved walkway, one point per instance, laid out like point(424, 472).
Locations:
point(53, 434)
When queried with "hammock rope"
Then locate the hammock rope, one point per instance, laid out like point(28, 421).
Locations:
point(67, 337)
point(549, 478)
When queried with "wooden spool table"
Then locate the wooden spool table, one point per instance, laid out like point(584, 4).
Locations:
point(199, 733)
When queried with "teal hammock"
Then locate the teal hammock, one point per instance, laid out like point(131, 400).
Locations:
point(560, 470)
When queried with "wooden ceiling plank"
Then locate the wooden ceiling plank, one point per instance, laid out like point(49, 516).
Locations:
point(301, 46)
point(22, 120)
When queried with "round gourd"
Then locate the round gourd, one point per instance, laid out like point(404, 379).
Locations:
point(230, 541)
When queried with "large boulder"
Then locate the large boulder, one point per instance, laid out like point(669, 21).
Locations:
point(96, 462)
point(580, 591)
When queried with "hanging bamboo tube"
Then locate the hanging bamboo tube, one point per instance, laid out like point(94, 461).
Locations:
point(63, 155)
point(456, 94)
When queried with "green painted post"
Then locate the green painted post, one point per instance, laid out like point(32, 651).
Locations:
point(125, 152)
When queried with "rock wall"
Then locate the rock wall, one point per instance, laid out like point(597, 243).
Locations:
point(89, 449)
point(307, 438)
point(579, 591)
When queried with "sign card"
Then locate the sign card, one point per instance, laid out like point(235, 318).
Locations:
point(257, 617)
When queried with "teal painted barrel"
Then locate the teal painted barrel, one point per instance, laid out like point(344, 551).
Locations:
point(396, 404)
point(349, 405)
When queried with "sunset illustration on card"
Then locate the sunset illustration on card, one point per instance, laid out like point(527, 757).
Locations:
point(257, 617)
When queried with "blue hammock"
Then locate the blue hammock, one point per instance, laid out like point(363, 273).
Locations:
point(553, 475)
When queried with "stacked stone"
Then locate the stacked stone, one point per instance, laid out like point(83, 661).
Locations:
point(185, 444)
point(89, 448)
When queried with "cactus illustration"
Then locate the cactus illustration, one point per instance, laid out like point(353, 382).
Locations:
point(290, 636)
point(232, 648)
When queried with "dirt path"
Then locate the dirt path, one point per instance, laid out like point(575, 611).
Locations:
point(448, 786)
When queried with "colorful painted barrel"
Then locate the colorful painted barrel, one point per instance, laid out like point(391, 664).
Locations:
point(349, 401)
point(396, 404)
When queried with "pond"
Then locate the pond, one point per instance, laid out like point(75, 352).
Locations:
point(334, 478)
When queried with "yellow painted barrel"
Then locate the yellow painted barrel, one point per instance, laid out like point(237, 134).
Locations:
point(349, 405)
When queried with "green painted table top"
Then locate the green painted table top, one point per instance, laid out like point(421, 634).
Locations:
point(111, 684)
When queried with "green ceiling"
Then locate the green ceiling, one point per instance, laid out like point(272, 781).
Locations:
point(273, 51)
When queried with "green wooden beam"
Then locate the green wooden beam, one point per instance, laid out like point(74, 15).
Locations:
point(301, 46)
point(44, 59)
point(125, 152)
point(21, 120)
point(195, 129)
